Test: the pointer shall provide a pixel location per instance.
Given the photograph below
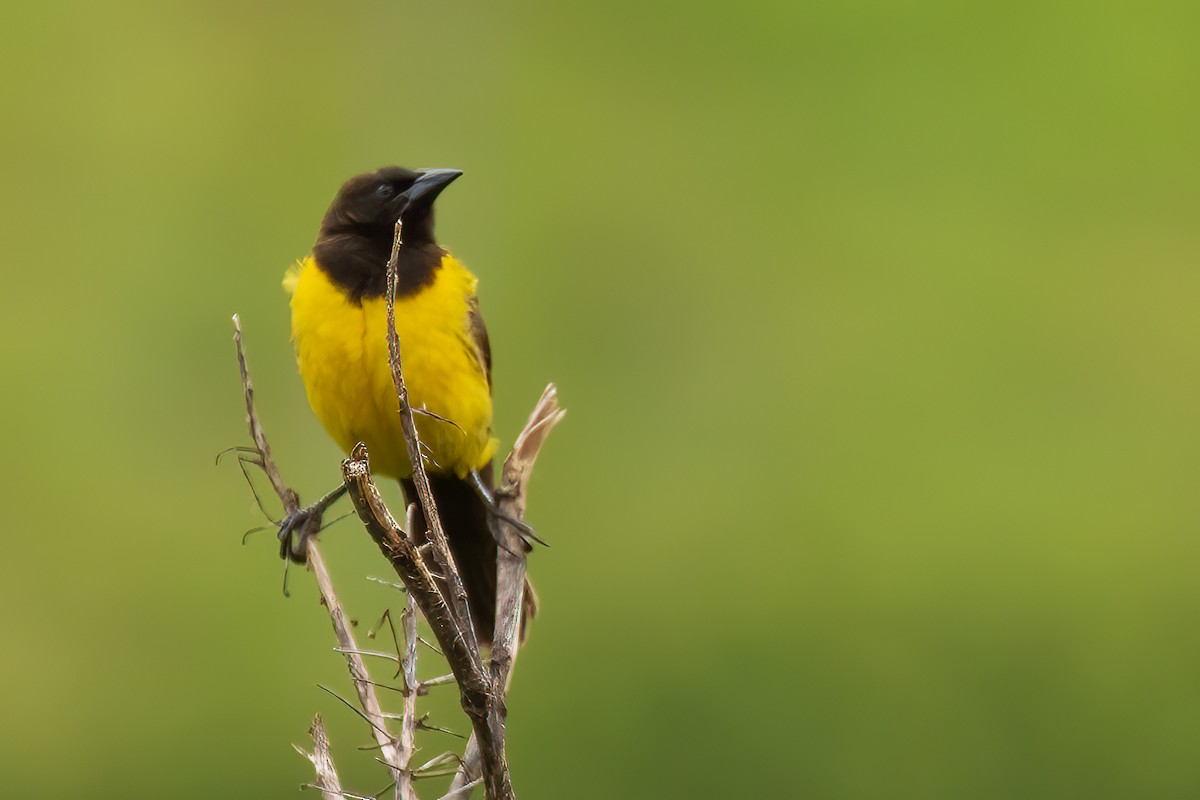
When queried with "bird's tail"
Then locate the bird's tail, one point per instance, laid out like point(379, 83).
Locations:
point(465, 520)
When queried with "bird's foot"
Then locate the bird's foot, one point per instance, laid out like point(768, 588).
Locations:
point(489, 501)
point(296, 528)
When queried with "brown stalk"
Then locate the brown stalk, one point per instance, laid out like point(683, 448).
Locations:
point(328, 782)
point(511, 569)
point(437, 534)
point(474, 682)
point(361, 678)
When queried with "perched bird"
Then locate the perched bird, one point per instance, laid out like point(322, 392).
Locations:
point(339, 328)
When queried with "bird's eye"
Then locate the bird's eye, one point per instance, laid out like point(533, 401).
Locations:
point(385, 190)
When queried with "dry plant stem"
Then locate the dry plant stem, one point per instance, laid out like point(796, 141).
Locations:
point(468, 771)
point(408, 667)
point(341, 624)
point(328, 781)
point(474, 682)
point(510, 574)
point(290, 500)
point(483, 705)
point(462, 792)
point(437, 534)
point(510, 497)
point(388, 745)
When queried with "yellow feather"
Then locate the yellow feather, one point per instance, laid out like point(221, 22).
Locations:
point(341, 348)
point(292, 277)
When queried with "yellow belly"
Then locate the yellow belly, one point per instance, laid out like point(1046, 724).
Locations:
point(341, 348)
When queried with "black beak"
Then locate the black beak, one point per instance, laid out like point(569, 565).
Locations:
point(426, 188)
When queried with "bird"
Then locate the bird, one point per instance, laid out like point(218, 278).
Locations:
point(339, 332)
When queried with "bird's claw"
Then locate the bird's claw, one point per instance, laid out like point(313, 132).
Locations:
point(488, 496)
point(296, 527)
point(523, 528)
point(294, 531)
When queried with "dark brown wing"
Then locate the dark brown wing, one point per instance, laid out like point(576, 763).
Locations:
point(479, 336)
point(465, 518)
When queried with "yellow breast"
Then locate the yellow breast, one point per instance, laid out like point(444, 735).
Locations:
point(341, 347)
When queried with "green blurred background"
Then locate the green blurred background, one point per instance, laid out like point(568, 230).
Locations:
point(877, 326)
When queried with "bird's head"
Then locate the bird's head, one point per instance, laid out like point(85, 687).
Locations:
point(357, 232)
point(369, 204)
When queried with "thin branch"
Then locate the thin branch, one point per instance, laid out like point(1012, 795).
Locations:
point(462, 792)
point(373, 631)
point(511, 499)
point(511, 585)
point(465, 662)
point(436, 763)
point(408, 667)
point(437, 534)
point(392, 584)
point(367, 697)
point(330, 791)
point(448, 612)
point(363, 716)
point(440, 680)
point(469, 771)
point(337, 615)
point(327, 777)
point(290, 500)
point(372, 653)
point(424, 725)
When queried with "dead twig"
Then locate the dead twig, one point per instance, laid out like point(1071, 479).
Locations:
point(290, 500)
point(511, 568)
point(483, 705)
point(327, 777)
point(437, 534)
point(465, 662)
point(408, 669)
point(337, 615)
point(511, 499)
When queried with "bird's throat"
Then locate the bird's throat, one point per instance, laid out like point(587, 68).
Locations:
point(358, 264)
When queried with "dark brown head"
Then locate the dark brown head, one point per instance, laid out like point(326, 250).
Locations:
point(356, 235)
